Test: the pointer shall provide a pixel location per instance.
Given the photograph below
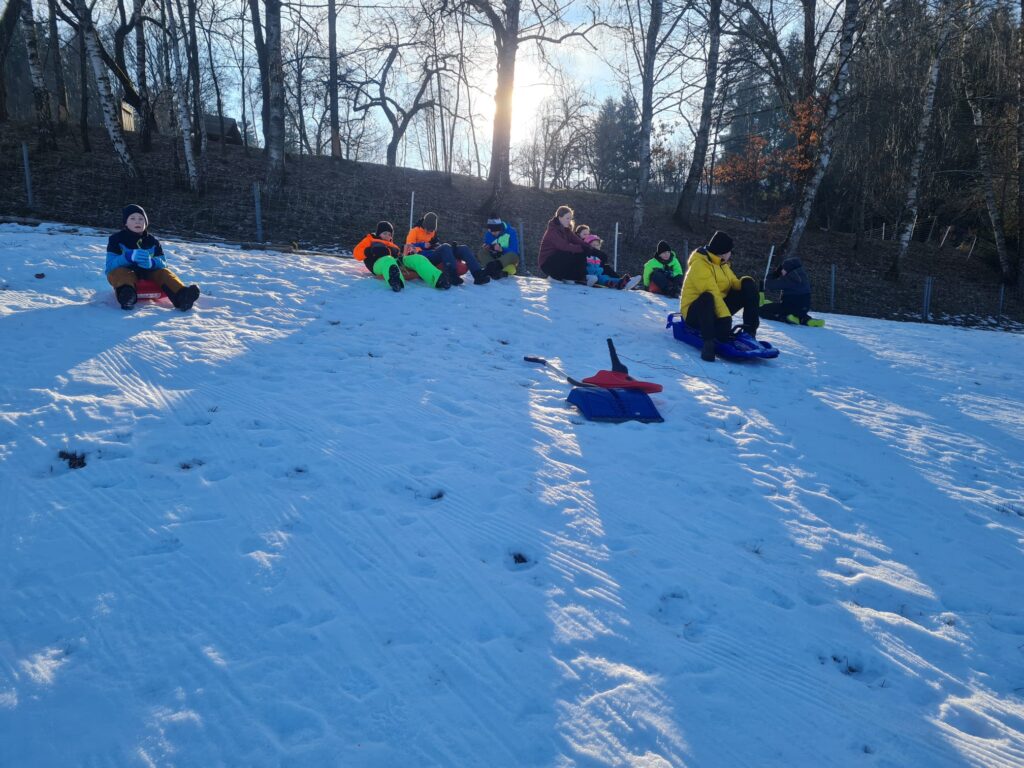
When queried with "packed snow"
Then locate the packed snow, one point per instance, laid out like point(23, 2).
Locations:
point(313, 522)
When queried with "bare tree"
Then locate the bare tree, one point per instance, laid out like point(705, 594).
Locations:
point(40, 94)
point(684, 208)
point(274, 129)
point(58, 69)
point(810, 191)
point(108, 106)
point(184, 117)
point(504, 17)
point(332, 81)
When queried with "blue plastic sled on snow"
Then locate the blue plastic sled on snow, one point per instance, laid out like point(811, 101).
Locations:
point(742, 346)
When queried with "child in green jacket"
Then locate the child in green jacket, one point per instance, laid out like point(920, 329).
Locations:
point(664, 274)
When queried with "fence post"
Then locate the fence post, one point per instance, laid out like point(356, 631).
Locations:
point(28, 174)
point(522, 245)
point(615, 259)
point(927, 299)
point(412, 207)
point(259, 211)
point(1002, 297)
point(686, 249)
point(945, 234)
point(832, 290)
point(972, 248)
point(883, 230)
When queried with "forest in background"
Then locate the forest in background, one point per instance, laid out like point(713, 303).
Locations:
point(854, 116)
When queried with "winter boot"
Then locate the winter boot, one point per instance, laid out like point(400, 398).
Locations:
point(455, 279)
point(793, 320)
point(627, 283)
point(480, 278)
point(707, 352)
point(443, 283)
point(761, 300)
point(591, 281)
point(126, 296)
point(395, 278)
point(494, 270)
point(814, 322)
point(185, 298)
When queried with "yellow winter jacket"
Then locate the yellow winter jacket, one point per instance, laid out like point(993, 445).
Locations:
point(706, 273)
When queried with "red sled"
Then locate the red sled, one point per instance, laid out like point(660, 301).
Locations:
point(147, 289)
point(618, 377)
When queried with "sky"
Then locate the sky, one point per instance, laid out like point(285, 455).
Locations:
point(314, 522)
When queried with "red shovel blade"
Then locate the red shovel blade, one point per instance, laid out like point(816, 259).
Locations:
point(618, 380)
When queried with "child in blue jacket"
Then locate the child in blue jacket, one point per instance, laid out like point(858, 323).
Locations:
point(499, 254)
point(790, 278)
point(133, 253)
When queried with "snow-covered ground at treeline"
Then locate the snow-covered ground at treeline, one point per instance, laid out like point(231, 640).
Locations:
point(323, 524)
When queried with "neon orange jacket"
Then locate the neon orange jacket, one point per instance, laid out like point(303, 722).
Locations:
point(360, 250)
point(419, 238)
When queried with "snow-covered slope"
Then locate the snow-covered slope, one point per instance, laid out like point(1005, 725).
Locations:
point(322, 524)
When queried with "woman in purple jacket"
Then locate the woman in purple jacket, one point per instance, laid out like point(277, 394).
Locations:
point(563, 255)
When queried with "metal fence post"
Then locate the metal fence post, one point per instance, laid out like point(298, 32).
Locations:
point(28, 174)
point(412, 207)
point(522, 245)
point(686, 249)
point(925, 310)
point(832, 290)
point(1002, 297)
point(615, 258)
point(259, 212)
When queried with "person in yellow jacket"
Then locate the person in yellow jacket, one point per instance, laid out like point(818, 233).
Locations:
point(382, 256)
point(712, 294)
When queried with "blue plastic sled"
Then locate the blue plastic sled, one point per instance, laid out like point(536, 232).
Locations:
point(614, 405)
point(742, 346)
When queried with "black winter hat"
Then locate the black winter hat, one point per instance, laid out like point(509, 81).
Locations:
point(384, 226)
point(662, 248)
point(133, 208)
point(430, 221)
point(719, 244)
point(791, 263)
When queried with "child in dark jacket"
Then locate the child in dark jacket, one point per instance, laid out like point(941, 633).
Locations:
point(790, 278)
point(134, 253)
point(664, 274)
point(499, 254)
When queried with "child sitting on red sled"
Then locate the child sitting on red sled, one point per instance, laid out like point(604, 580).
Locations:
point(133, 253)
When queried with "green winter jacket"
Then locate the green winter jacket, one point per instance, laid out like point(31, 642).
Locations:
point(673, 267)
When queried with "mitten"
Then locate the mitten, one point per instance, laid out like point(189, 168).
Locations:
point(142, 258)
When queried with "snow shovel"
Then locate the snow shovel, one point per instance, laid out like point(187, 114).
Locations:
point(618, 377)
point(604, 404)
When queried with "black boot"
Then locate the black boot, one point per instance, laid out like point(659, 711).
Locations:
point(707, 352)
point(395, 278)
point(443, 283)
point(126, 296)
point(494, 270)
point(185, 298)
point(480, 278)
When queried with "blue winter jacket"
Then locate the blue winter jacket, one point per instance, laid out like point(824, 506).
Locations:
point(508, 239)
point(127, 249)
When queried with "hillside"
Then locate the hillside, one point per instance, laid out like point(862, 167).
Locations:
point(329, 205)
point(316, 523)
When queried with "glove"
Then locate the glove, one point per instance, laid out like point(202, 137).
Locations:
point(142, 258)
point(433, 242)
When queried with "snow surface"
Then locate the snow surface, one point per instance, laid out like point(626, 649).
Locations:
point(322, 524)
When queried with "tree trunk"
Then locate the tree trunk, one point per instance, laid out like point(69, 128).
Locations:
point(58, 70)
point(684, 208)
point(1020, 149)
point(145, 109)
point(810, 50)
point(646, 113)
point(83, 79)
point(985, 167)
point(184, 118)
point(198, 110)
point(216, 90)
point(332, 83)
point(40, 94)
point(108, 105)
point(792, 243)
point(275, 114)
point(261, 60)
point(910, 208)
point(507, 41)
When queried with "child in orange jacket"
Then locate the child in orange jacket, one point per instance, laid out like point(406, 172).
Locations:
point(383, 258)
